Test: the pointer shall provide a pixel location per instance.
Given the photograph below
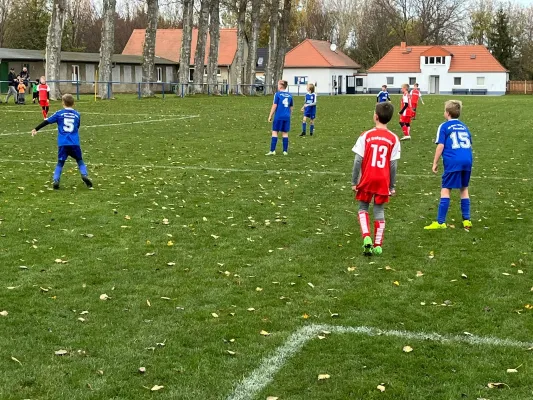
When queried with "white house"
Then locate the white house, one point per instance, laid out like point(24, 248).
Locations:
point(319, 62)
point(440, 70)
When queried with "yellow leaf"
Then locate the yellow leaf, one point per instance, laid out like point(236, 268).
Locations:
point(512, 371)
point(155, 388)
point(396, 283)
point(496, 385)
point(264, 333)
point(419, 274)
point(148, 302)
point(170, 243)
point(322, 377)
point(272, 398)
point(4, 313)
point(431, 254)
point(127, 217)
point(351, 269)
point(529, 307)
point(61, 352)
point(148, 242)
point(381, 388)
point(305, 316)
point(215, 315)
point(231, 353)
point(258, 289)
point(104, 297)
point(17, 361)
point(407, 349)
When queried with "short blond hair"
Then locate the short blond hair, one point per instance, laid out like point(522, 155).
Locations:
point(283, 83)
point(311, 88)
point(68, 100)
point(453, 108)
point(405, 85)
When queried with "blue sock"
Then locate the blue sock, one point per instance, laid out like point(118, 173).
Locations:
point(443, 210)
point(304, 127)
point(273, 143)
point(58, 170)
point(312, 128)
point(82, 167)
point(465, 208)
point(285, 144)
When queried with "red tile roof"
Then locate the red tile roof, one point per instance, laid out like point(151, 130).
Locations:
point(436, 51)
point(317, 54)
point(168, 44)
point(464, 59)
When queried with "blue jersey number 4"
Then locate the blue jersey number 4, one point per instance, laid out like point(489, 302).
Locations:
point(460, 140)
point(285, 102)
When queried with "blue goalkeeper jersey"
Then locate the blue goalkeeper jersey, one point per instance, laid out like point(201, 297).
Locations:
point(310, 98)
point(284, 101)
point(383, 96)
point(68, 125)
point(457, 141)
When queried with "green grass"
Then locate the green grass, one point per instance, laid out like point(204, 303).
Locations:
point(228, 258)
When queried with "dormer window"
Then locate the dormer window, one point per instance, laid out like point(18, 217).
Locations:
point(434, 60)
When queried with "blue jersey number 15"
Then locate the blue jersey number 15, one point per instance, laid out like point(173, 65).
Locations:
point(460, 140)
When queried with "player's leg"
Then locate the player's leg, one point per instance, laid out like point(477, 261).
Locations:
point(414, 110)
point(312, 125)
point(444, 204)
point(285, 141)
point(304, 126)
point(77, 155)
point(465, 199)
point(364, 221)
point(47, 109)
point(273, 143)
point(407, 128)
point(403, 127)
point(61, 158)
point(43, 110)
point(379, 226)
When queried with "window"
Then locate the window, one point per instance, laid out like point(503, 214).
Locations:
point(219, 72)
point(75, 73)
point(191, 74)
point(138, 74)
point(412, 81)
point(126, 70)
point(89, 72)
point(432, 60)
point(260, 61)
point(300, 80)
point(457, 81)
point(205, 71)
point(426, 61)
point(438, 60)
point(359, 82)
point(115, 73)
point(481, 81)
point(159, 74)
point(390, 80)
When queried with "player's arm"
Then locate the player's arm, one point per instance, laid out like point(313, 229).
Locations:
point(438, 154)
point(405, 105)
point(313, 103)
point(356, 170)
point(39, 127)
point(388, 97)
point(420, 98)
point(272, 111)
point(395, 156)
point(377, 97)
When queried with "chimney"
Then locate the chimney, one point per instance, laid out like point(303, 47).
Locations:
point(403, 45)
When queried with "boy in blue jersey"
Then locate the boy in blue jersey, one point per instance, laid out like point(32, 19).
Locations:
point(383, 96)
point(309, 110)
point(454, 144)
point(68, 139)
point(281, 110)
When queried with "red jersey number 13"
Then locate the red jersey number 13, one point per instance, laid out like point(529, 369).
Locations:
point(379, 155)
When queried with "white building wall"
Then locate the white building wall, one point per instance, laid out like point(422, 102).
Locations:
point(322, 77)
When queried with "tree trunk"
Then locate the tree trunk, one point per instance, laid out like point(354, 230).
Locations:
point(214, 39)
point(252, 48)
point(282, 39)
point(185, 52)
point(53, 47)
point(148, 67)
point(107, 47)
point(199, 56)
point(272, 48)
point(241, 38)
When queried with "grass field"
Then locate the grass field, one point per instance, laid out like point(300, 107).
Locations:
point(201, 242)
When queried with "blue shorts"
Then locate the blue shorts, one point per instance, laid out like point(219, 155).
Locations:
point(308, 114)
point(64, 152)
point(281, 126)
point(456, 179)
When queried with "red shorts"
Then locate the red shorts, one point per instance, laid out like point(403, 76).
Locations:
point(44, 103)
point(405, 119)
point(367, 197)
point(413, 106)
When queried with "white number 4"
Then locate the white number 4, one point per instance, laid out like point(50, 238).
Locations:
point(285, 102)
point(381, 152)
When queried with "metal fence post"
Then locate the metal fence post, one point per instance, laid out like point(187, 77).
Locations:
point(77, 90)
point(139, 90)
point(109, 90)
point(163, 90)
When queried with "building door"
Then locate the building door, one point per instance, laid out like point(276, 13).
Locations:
point(434, 84)
point(339, 81)
point(4, 71)
point(350, 84)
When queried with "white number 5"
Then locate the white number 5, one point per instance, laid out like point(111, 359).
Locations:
point(68, 125)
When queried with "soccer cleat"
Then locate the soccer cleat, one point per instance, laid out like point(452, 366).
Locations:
point(285, 153)
point(435, 225)
point(367, 246)
point(87, 181)
point(302, 134)
point(467, 224)
point(270, 153)
point(406, 138)
point(55, 185)
point(378, 250)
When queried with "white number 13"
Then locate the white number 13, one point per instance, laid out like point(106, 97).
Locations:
point(379, 155)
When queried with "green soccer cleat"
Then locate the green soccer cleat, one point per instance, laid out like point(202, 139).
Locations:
point(378, 250)
point(435, 225)
point(367, 246)
point(467, 224)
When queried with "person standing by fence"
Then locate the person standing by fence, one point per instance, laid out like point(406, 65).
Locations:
point(13, 83)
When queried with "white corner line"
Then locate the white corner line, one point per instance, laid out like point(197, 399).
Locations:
point(263, 375)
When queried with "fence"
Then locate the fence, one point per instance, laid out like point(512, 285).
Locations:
point(78, 88)
point(520, 87)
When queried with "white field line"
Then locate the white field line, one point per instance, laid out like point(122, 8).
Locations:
point(83, 127)
point(250, 386)
point(38, 112)
point(245, 170)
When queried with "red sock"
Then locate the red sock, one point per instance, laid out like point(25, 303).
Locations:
point(405, 130)
point(379, 232)
point(44, 114)
point(364, 222)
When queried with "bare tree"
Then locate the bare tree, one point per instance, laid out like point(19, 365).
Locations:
point(53, 46)
point(214, 39)
point(272, 47)
point(4, 12)
point(241, 41)
point(185, 51)
point(148, 67)
point(282, 39)
point(344, 17)
point(252, 47)
point(199, 56)
point(107, 47)
point(438, 21)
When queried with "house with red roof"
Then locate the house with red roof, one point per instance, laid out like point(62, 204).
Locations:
point(440, 70)
point(321, 63)
point(168, 46)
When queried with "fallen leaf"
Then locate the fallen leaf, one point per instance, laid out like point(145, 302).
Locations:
point(310, 284)
point(81, 319)
point(351, 269)
point(148, 302)
point(431, 254)
point(104, 297)
point(305, 316)
point(215, 315)
point(215, 236)
point(84, 313)
point(520, 271)
point(264, 333)
point(61, 352)
point(512, 371)
point(150, 254)
point(322, 377)
point(407, 349)
point(155, 388)
point(464, 276)
point(165, 221)
point(231, 353)
point(4, 313)
point(506, 274)
point(321, 337)
point(17, 361)
point(419, 274)
point(272, 398)
point(250, 309)
point(171, 264)
point(396, 283)
point(100, 372)
point(496, 385)
point(170, 243)
point(381, 388)
point(142, 370)
point(258, 289)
